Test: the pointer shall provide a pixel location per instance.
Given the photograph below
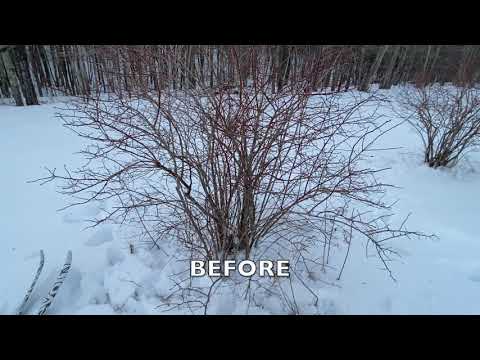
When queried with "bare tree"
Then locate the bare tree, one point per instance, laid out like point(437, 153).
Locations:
point(387, 79)
point(233, 171)
point(447, 120)
point(77, 69)
point(370, 76)
point(23, 73)
point(11, 75)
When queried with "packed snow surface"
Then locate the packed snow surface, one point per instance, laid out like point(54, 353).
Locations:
point(439, 275)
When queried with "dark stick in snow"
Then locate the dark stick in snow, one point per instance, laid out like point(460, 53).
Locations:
point(22, 308)
point(47, 301)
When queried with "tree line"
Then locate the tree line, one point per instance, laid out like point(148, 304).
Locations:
point(28, 72)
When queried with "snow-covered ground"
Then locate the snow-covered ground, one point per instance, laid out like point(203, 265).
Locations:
point(434, 275)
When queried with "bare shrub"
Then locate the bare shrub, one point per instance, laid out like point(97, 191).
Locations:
point(238, 171)
point(447, 120)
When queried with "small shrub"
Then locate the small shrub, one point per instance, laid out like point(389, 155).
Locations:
point(447, 120)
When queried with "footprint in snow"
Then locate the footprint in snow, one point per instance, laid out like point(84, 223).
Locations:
point(32, 255)
point(387, 304)
point(4, 308)
point(78, 215)
point(102, 236)
point(70, 218)
point(475, 276)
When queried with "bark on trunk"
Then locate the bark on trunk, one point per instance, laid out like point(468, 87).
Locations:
point(12, 77)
